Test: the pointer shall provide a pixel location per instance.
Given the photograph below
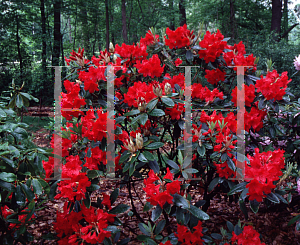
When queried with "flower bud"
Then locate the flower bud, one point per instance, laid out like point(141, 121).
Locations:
point(157, 90)
point(111, 48)
point(141, 104)
point(139, 141)
point(168, 89)
point(130, 145)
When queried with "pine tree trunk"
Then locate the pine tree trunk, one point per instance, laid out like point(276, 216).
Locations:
point(124, 24)
point(57, 37)
point(107, 24)
point(182, 12)
point(276, 18)
point(44, 44)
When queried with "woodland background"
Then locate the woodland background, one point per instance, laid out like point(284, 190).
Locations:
point(38, 34)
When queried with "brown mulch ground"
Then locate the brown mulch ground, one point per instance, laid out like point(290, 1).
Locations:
point(270, 223)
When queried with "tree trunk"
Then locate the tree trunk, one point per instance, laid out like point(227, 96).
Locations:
point(75, 30)
point(107, 24)
point(232, 20)
point(85, 27)
point(124, 24)
point(19, 47)
point(285, 18)
point(172, 15)
point(57, 35)
point(182, 12)
point(44, 44)
point(276, 18)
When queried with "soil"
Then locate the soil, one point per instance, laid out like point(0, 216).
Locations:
point(271, 223)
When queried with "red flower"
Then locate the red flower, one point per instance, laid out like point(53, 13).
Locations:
point(214, 76)
point(131, 52)
point(106, 200)
point(273, 86)
point(254, 119)
point(149, 39)
point(214, 46)
point(178, 62)
point(186, 237)
point(179, 38)
point(248, 236)
point(264, 169)
point(175, 112)
point(249, 95)
point(150, 67)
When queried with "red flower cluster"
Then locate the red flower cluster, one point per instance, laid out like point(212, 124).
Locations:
point(149, 39)
point(249, 95)
point(71, 231)
point(92, 77)
point(264, 169)
point(179, 38)
point(137, 91)
point(131, 52)
point(150, 67)
point(203, 93)
point(178, 79)
point(249, 236)
point(254, 119)
point(213, 45)
point(214, 76)
point(5, 211)
point(273, 85)
point(74, 182)
point(176, 111)
point(178, 62)
point(224, 171)
point(97, 156)
point(153, 191)
point(77, 57)
point(71, 100)
point(186, 237)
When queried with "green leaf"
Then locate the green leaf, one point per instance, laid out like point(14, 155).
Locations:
point(157, 113)
point(160, 226)
point(180, 215)
point(167, 101)
point(254, 205)
point(230, 163)
point(216, 236)
point(230, 226)
point(19, 101)
point(125, 155)
point(45, 185)
point(143, 118)
point(37, 187)
point(180, 201)
point(20, 197)
point(121, 208)
point(172, 164)
point(154, 166)
point(145, 229)
point(191, 170)
point(293, 220)
point(28, 192)
point(142, 158)
point(198, 213)
point(52, 192)
point(154, 145)
point(87, 200)
point(243, 208)
point(152, 104)
point(131, 113)
point(156, 213)
point(114, 195)
point(7, 186)
point(149, 156)
point(8, 177)
point(213, 184)
point(237, 188)
point(92, 174)
point(147, 207)
point(272, 197)
point(201, 150)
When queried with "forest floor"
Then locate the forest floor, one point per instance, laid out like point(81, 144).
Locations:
point(270, 223)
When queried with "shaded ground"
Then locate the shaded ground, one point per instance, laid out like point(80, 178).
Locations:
point(270, 223)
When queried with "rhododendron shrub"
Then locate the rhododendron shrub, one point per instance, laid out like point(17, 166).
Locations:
point(149, 128)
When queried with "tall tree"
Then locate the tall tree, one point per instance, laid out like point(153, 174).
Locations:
point(124, 24)
point(232, 20)
point(56, 33)
point(182, 12)
point(19, 45)
point(285, 17)
point(44, 44)
point(172, 15)
point(107, 24)
point(276, 17)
